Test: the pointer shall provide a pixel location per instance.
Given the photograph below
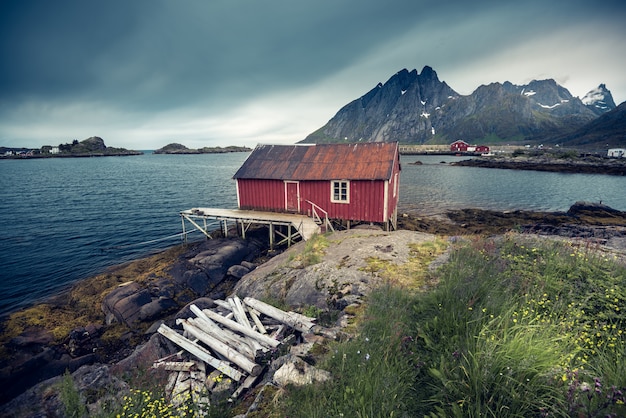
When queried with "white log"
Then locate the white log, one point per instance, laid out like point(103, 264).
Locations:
point(240, 314)
point(263, 339)
point(200, 352)
point(242, 310)
point(257, 321)
point(278, 331)
point(202, 316)
point(231, 339)
point(171, 382)
point(223, 349)
point(247, 384)
point(223, 304)
point(183, 384)
point(171, 356)
point(226, 336)
point(251, 347)
point(177, 366)
point(297, 322)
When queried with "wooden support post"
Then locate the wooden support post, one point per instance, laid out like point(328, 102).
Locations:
point(289, 235)
point(271, 235)
point(182, 218)
point(197, 226)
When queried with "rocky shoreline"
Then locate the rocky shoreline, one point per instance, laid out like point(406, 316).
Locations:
point(583, 165)
point(104, 329)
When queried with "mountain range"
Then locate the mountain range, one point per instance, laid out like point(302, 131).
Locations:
point(418, 108)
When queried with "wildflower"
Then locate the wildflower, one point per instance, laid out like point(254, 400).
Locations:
point(367, 356)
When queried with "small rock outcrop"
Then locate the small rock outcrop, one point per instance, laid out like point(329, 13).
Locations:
point(194, 275)
point(340, 279)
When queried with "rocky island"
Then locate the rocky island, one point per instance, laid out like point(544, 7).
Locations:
point(563, 162)
point(175, 148)
point(91, 147)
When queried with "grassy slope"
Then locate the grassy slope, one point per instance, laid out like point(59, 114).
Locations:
point(514, 328)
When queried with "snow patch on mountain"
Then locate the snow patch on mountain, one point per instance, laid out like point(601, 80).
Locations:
point(595, 95)
point(549, 106)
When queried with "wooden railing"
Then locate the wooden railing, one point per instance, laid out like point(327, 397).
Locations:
point(314, 212)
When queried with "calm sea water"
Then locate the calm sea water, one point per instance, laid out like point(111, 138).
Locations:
point(67, 219)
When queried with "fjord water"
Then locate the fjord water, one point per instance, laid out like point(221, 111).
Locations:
point(65, 219)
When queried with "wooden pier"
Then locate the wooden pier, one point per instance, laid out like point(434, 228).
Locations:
point(297, 226)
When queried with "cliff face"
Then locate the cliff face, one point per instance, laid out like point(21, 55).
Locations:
point(401, 108)
point(419, 108)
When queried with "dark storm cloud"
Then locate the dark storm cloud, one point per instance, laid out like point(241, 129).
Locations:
point(242, 69)
point(159, 52)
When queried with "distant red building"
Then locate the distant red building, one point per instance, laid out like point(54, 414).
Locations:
point(459, 146)
point(350, 182)
point(462, 146)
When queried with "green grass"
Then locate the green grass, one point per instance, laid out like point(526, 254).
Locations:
point(515, 328)
point(509, 327)
point(371, 378)
point(314, 250)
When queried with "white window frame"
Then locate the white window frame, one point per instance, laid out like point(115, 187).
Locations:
point(342, 184)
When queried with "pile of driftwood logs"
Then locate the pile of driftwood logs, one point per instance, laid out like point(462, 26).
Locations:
point(232, 339)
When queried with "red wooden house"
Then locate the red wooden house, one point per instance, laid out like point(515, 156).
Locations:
point(462, 146)
point(347, 182)
point(459, 146)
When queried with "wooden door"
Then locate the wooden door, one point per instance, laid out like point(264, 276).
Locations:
point(292, 196)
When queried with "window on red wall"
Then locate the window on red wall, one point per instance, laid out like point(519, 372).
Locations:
point(340, 191)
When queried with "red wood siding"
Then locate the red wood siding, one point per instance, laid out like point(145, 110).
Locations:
point(265, 195)
point(371, 200)
point(367, 198)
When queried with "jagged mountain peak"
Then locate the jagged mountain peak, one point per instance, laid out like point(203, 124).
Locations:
point(407, 98)
point(412, 107)
point(599, 100)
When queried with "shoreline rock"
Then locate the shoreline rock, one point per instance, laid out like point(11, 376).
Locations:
point(196, 274)
point(137, 295)
point(591, 165)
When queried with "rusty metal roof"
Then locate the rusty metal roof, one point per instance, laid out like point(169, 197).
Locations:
point(362, 161)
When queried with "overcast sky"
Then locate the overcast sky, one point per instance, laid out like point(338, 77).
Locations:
point(145, 73)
